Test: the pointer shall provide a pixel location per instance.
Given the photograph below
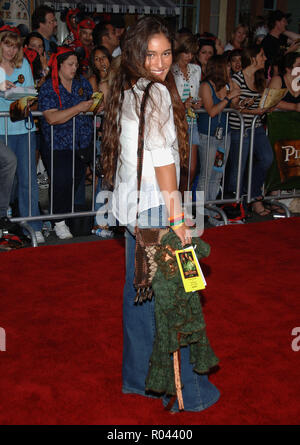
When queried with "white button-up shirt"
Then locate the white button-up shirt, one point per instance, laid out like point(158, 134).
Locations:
point(160, 149)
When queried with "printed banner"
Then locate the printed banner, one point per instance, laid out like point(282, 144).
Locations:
point(284, 135)
point(16, 12)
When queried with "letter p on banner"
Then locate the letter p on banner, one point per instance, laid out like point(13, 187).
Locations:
point(2, 340)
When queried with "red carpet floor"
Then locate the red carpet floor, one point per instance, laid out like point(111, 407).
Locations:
point(60, 307)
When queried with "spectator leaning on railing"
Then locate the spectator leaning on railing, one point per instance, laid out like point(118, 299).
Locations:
point(63, 96)
point(216, 92)
point(12, 65)
point(252, 82)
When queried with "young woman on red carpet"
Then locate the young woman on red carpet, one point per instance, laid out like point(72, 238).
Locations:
point(147, 56)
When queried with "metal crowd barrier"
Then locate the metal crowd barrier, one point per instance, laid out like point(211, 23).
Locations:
point(212, 205)
point(238, 196)
point(51, 216)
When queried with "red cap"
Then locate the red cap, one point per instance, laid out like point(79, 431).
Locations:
point(86, 23)
point(10, 29)
point(53, 65)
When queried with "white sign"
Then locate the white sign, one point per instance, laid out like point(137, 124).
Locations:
point(15, 12)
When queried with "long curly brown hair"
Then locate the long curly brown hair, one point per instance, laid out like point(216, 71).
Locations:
point(124, 73)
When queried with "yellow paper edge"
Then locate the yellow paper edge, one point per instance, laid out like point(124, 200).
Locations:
point(194, 283)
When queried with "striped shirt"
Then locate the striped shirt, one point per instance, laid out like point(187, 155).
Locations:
point(246, 94)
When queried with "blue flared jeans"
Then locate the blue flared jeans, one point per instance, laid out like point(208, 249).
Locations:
point(20, 147)
point(138, 338)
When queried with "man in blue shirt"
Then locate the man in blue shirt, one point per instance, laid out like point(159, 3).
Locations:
point(43, 21)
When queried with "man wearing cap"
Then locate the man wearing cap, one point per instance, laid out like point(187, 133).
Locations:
point(43, 21)
point(275, 43)
point(84, 41)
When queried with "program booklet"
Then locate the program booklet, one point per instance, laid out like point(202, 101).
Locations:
point(190, 270)
point(18, 92)
point(271, 97)
point(98, 99)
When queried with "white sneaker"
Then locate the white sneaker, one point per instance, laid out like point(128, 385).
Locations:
point(43, 181)
point(39, 237)
point(62, 230)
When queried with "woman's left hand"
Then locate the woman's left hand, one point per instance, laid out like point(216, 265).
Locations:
point(85, 105)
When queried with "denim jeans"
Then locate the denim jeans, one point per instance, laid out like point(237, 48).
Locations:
point(19, 145)
point(210, 176)
point(195, 135)
point(138, 339)
point(8, 165)
point(63, 177)
point(262, 160)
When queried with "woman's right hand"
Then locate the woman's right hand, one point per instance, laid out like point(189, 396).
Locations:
point(6, 85)
point(85, 105)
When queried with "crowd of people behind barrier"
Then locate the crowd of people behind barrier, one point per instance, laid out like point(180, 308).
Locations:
point(206, 75)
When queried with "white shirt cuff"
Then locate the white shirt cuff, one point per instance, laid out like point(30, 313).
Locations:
point(162, 156)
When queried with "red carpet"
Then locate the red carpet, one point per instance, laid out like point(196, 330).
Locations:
point(61, 311)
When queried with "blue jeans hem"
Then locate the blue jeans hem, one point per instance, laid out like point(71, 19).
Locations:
point(140, 393)
point(199, 408)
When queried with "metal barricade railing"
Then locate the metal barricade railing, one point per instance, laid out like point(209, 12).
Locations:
point(236, 194)
point(272, 198)
point(209, 204)
point(239, 196)
point(23, 220)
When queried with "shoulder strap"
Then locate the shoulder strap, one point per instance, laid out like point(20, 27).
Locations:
point(140, 148)
point(211, 87)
